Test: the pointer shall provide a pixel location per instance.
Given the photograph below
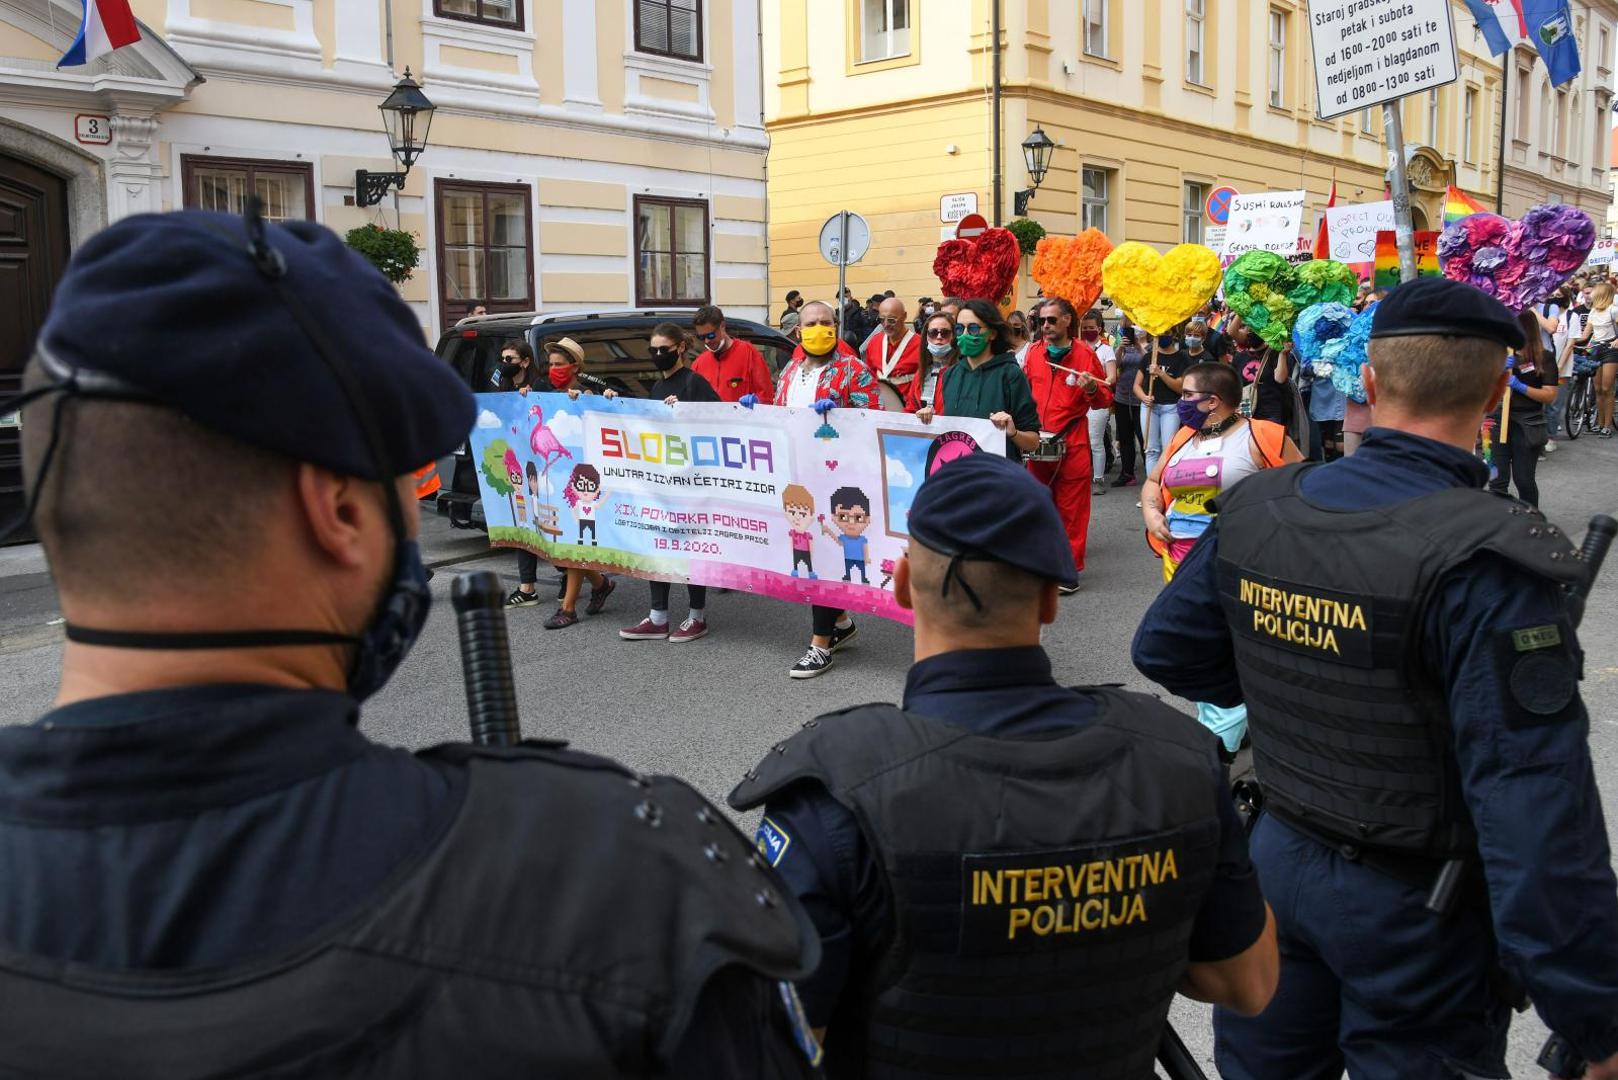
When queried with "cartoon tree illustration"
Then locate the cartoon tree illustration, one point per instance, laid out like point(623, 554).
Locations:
point(494, 471)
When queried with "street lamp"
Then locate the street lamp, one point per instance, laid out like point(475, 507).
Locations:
point(406, 116)
point(1036, 154)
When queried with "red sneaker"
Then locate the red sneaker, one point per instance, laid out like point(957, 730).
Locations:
point(645, 630)
point(689, 630)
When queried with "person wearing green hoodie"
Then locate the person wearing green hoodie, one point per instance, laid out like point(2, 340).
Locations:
point(989, 384)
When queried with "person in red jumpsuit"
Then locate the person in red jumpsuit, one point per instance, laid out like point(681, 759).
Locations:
point(1067, 381)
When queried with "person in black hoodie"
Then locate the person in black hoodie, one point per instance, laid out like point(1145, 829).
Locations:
point(668, 348)
point(517, 374)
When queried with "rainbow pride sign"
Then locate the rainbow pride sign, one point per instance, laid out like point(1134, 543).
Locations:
point(779, 502)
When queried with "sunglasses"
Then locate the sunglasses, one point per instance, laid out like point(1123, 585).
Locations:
point(509, 358)
point(1050, 320)
point(709, 336)
point(941, 333)
point(968, 328)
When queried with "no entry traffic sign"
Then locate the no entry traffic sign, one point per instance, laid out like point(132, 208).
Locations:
point(972, 225)
point(1218, 205)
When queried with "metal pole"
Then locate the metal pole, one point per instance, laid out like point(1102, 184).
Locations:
point(994, 33)
point(1500, 169)
point(842, 269)
point(1393, 125)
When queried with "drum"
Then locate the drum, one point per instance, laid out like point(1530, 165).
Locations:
point(892, 400)
point(1051, 448)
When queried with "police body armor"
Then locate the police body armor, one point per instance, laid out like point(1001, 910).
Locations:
point(533, 940)
point(1043, 888)
point(1351, 737)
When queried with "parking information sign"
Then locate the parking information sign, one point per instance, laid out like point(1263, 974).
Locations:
point(1369, 52)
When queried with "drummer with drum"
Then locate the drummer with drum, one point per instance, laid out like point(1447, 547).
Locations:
point(893, 353)
point(1067, 382)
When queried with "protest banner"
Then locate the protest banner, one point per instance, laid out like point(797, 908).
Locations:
point(1352, 230)
point(1264, 221)
point(1602, 253)
point(779, 502)
point(1387, 257)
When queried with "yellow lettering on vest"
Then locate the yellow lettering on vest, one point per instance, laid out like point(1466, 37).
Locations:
point(1064, 923)
point(1137, 910)
point(1115, 873)
point(1033, 885)
point(1091, 913)
point(1019, 918)
point(1075, 881)
point(1053, 882)
point(1169, 869)
point(1044, 920)
point(1014, 880)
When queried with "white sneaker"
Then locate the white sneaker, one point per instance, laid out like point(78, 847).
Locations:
point(1550, 446)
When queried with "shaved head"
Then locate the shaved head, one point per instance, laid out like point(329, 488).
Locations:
point(817, 313)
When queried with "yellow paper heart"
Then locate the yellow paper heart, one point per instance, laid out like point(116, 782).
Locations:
point(1159, 292)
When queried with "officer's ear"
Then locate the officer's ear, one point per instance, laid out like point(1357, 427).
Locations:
point(1049, 603)
point(1499, 392)
point(1368, 376)
point(901, 583)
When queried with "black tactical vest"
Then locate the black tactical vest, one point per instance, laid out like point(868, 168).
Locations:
point(1043, 888)
point(563, 927)
point(1326, 610)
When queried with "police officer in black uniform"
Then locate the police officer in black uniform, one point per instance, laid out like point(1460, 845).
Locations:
point(1010, 878)
point(1432, 838)
point(205, 869)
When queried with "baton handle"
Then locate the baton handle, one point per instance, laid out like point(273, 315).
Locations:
point(1176, 1060)
point(491, 691)
point(1558, 1057)
point(1597, 540)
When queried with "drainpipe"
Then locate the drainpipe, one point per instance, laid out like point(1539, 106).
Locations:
point(994, 43)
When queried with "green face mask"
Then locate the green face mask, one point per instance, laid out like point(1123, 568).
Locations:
point(971, 344)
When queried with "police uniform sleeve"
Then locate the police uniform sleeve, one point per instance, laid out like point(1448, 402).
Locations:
point(1510, 661)
point(1232, 916)
point(1183, 643)
point(746, 1027)
point(816, 847)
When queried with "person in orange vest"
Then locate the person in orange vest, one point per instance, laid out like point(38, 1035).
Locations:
point(893, 353)
point(1067, 381)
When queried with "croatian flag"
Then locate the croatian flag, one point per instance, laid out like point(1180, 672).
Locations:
point(107, 25)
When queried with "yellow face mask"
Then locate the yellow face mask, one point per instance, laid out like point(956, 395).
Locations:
point(818, 340)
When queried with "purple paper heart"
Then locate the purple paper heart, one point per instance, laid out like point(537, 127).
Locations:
point(1520, 263)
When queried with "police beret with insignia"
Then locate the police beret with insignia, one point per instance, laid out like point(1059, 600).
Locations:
point(985, 507)
point(1444, 308)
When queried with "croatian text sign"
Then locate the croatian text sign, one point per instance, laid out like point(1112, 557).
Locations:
point(1387, 257)
point(1601, 254)
point(780, 502)
point(1369, 52)
point(1265, 221)
point(1352, 230)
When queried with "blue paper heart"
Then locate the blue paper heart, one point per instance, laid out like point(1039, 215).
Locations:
point(1334, 335)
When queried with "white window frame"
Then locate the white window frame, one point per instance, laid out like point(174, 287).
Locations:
point(1433, 118)
point(1090, 208)
point(1278, 58)
point(1196, 42)
point(1469, 109)
point(1096, 44)
point(890, 10)
point(1193, 225)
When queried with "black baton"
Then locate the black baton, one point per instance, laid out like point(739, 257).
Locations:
point(1176, 1060)
point(491, 692)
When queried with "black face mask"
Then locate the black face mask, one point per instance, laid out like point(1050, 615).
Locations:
point(510, 371)
point(402, 610)
point(663, 359)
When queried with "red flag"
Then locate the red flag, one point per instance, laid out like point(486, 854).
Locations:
point(1322, 242)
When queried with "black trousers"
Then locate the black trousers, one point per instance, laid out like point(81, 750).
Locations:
point(1518, 459)
point(698, 595)
point(824, 619)
point(527, 567)
point(1126, 418)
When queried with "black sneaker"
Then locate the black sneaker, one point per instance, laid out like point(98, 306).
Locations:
point(815, 661)
point(1068, 590)
point(518, 598)
point(840, 637)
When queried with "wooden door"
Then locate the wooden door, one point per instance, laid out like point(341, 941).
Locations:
point(33, 254)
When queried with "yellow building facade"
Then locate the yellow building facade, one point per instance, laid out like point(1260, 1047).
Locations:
point(584, 153)
point(885, 108)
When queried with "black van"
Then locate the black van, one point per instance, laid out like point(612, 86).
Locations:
point(614, 344)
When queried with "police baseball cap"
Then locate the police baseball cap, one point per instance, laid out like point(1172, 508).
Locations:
point(1436, 306)
point(983, 507)
point(215, 316)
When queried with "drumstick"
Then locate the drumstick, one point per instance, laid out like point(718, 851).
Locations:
point(1505, 418)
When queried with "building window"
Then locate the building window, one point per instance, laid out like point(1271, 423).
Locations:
point(1095, 27)
point(484, 237)
point(1196, 17)
point(287, 188)
point(506, 13)
point(1572, 150)
point(1559, 147)
point(1469, 131)
point(1278, 58)
point(1196, 197)
point(669, 28)
point(1604, 53)
point(1600, 146)
point(884, 29)
point(1097, 193)
point(671, 252)
point(1366, 123)
point(1432, 117)
point(1522, 104)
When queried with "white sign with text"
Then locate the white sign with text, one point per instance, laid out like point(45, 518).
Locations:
point(1265, 221)
point(1370, 52)
point(1352, 230)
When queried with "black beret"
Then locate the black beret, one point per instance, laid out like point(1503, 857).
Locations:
point(176, 307)
point(985, 507)
point(1445, 308)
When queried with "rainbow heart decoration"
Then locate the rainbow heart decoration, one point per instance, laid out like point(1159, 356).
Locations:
point(1519, 263)
point(982, 267)
point(1334, 335)
point(1268, 292)
point(1070, 267)
point(1159, 292)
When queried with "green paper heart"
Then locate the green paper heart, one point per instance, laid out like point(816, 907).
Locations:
point(1267, 291)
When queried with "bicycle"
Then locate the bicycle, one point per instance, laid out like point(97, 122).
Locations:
point(1581, 399)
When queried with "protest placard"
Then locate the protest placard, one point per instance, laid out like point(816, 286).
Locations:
point(1265, 221)
point(1387, 257)
point(1352, 230)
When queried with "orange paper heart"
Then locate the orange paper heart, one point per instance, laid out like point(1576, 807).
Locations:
point(1070, 267)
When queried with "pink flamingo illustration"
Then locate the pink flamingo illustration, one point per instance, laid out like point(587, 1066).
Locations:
point(549, 449)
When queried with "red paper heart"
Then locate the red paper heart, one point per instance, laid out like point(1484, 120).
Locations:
point(983, 267)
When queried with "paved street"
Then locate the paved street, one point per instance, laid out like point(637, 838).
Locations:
point(708, 710)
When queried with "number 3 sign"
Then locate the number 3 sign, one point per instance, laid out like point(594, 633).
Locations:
point(92, 130)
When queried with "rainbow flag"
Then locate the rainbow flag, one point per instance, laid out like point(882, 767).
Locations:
point(1458, 204)
point(1386, 274)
